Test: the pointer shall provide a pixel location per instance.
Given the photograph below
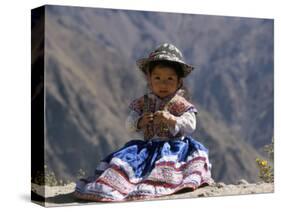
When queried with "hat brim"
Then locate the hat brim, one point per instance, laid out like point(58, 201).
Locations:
point(143, 65)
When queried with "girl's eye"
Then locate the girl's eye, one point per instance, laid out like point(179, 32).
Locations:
point(157, 78)
point(170, 78)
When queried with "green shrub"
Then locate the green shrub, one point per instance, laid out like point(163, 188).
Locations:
point(266, 170)
point(81, 174)
point(49, 178)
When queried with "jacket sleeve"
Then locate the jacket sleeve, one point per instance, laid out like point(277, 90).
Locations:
point(185, 113)
point(132, 121)
point(185, 124)
point(135, 112)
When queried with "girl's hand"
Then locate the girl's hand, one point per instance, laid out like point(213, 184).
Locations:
point(145, 120)
point(164, 117)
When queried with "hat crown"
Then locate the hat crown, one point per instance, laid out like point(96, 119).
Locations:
point(166, 52)
point(167, 49)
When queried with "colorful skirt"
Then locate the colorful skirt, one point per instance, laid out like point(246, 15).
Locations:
point(146, 170)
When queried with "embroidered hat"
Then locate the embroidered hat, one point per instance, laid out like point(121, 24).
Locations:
point(168, 52)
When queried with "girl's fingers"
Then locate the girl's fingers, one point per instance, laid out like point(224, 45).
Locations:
point(150, 115)
point(150, 118)
point(157, 115)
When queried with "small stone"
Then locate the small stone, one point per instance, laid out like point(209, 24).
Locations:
point(220, 185)
point(212, 184)
point(202, 194)
point(208, 194)
point(242, 182)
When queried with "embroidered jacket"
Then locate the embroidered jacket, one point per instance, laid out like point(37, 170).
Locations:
point(176, 104)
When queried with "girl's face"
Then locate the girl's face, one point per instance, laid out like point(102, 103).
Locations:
point(164, 81)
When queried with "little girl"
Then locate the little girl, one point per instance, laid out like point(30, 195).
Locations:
point(168, 160)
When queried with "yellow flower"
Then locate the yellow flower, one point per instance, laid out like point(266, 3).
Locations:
point(264, 163)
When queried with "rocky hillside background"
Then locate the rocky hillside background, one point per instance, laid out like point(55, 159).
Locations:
point(91, 77)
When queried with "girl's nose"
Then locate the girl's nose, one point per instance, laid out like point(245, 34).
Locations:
point(164, 82)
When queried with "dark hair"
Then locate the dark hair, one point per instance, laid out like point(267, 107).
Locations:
point(169, 64)
point(175, 66)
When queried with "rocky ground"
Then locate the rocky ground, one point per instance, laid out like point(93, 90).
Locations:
point(63, 195)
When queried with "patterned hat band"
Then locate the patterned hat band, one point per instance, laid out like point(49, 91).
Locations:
point(165, 52)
